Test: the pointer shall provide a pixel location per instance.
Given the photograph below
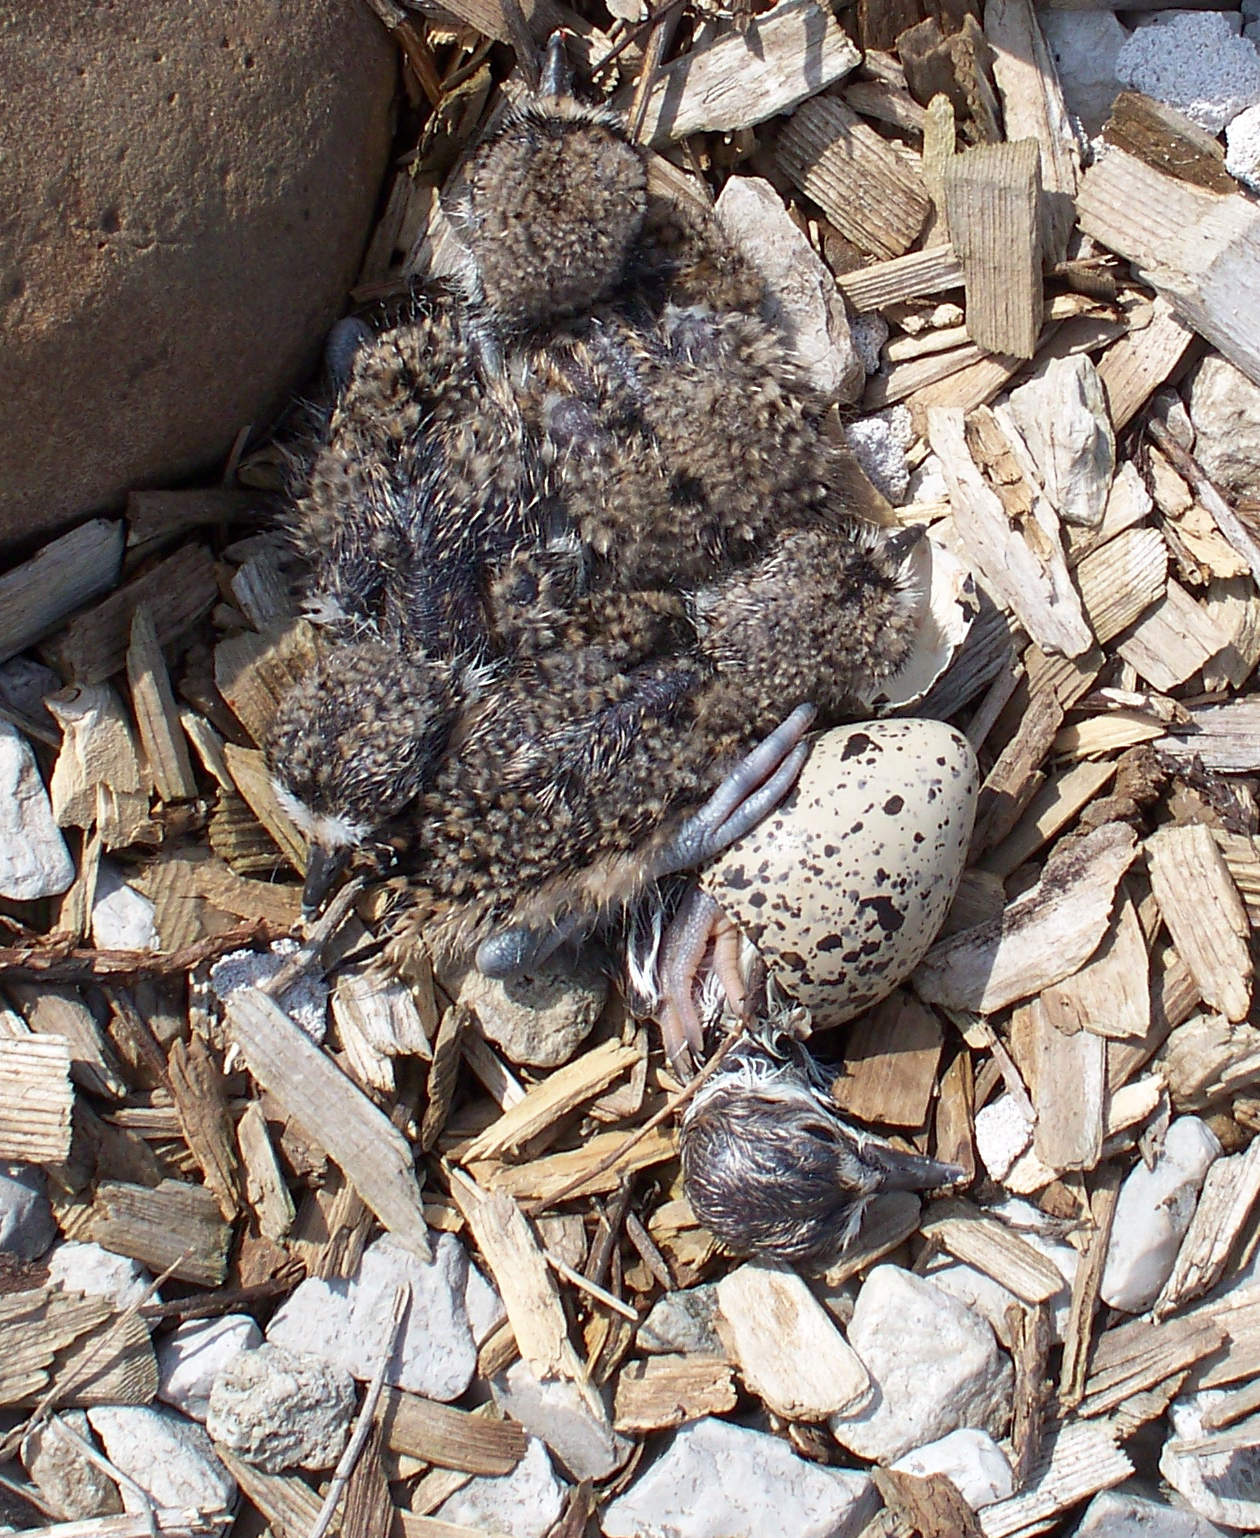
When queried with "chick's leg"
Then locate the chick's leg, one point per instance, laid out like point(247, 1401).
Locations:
point(748, 794)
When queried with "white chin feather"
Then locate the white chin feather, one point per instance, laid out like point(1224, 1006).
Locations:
point(320, 828)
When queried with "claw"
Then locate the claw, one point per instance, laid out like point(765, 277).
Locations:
point(682, 951)
point(747, 795)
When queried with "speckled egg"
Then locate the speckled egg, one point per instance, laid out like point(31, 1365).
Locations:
point(843, 889)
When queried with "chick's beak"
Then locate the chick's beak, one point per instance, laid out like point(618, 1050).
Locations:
point(909, 1171)
point(323, 866)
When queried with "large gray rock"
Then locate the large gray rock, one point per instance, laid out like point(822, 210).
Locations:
point(1225, 410)
point(187, 193)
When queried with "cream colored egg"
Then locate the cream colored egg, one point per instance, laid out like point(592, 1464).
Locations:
point(844, 888)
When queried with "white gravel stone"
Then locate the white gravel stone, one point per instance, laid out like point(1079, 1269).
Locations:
point(715, 1480)
point(971, 1460)
point(554, 1410)
point(1225, 410)
point(65, 1473)
point(346, 1321)
point(34, 860)
point(804, 303)
point(1242, 156)
point(1085, 45)
point(1113, 1514)
point(1153, 1213)
point(928, 483)
point(305, 1001)
point(27, 1226)
point(1220, 1487)
point(869, 333)
point(192, 1355)
point(988, 1296)
point(170, 1458)
point(1004, 1135)
point(282, 1409)
point(93, 1269)
point(483, 1305)
point(879, 445)
point(523, 1503)
point(934, 1363)
point(122, 918)
point(683, 1321)
point(540, 1019)
point(1196, 64)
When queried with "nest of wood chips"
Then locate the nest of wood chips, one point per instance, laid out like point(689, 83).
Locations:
point(1095, 975)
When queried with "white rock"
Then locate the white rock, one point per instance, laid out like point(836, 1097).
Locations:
point(170, 1458)
point(988, 1296)
point(282, 1409)
point(879, 444)
point(523, 1503)
point(1242, 157)
point(803, 301)
point(971, 1460)
point(683, 1321)
point(305, 1001)
point(1233, 19)
point(554, 1410)
point(1085, 45)
point(540, 1019)
point(1153, 1213)
point(928, 483)
point(122, 918)
point(191, 1356)
point(715, 1480)
point(34, 860)
point(1062, 414)
point(934, 1363)
point(1225, 410)
point(789, 1352)
point(1220, 1487)
point(65, 1473)
point(1195, 64)
point(27, 1226)
point(869, 333)
point(93, 1269)
point(1113, 1514)
point(1004, 1135)
point(346, 1321)
point(483, 1305)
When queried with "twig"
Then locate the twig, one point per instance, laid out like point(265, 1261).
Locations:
point(367, 1413)
point(562, 1268)
point(110, 1470)
point(648, 1252)
point(673, 1104)
point(205, 1305)
point(66, 963)
point(612, 1217)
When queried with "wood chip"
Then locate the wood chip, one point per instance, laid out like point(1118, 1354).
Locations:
point(1070, 1128)
point(552, 1098)
point(1204, 913)
point(201, 1103)
point(1172, 640)
point(170, 1225)
point(157, 715)
point(665, 1391)
point(786, 1345)
point(868, 191)
point(993, 1248)
point(540, 1179)
point(1119, 581)
point(891, 1055)
point(1226, 1202)
point(264, 1183)
point(524, 1280)
point(65, 574)
point(1196, 248)
point(332, 1112)
point(249, 774)
point(1133, 368)
point(451, 1438)
point(1138, 1355)
point(97, 779)
point(36, 1099)
point(1225, 738)
point(1111, 994)
point(1041, 937)
point(1078, 1460)
point(254, 672)
point(1167, 140)
point(932, 271)
point(1031, 577)
point(177, 591)
point(993, 203)
point(744, 78)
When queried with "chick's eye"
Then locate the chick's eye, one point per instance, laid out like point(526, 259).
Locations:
point(524, 589)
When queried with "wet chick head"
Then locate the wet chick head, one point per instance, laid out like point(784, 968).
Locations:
point(770, 1167)
point(354, 742)
point(554, 204)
